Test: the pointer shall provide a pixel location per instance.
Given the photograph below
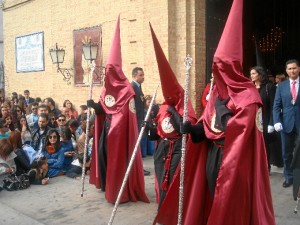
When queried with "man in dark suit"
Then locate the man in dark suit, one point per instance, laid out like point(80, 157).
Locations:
point(138, 79)
point(28, 99)
point(286, 115)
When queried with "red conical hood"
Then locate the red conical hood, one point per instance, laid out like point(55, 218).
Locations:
point(227, 63)
point(172, 90)
point(117, 90)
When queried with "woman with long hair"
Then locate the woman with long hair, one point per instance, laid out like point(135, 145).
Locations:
point(267, 91)
point(73, 113)
point(23, 128)
point(16, 111)
point(22, 160)
point(39, 171)
point(54, 153)
point(9, 123)
point(7, 163)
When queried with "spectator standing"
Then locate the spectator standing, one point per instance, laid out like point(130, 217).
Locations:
point(286, 114)
point(266, 91)
point(28, 99)
point(138, 78)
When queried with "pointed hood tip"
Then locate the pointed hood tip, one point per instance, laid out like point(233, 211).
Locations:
point(170, 87)
point(231, 43)
point(115, 57)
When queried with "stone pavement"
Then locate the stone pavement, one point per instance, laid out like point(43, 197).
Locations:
point(60, 203)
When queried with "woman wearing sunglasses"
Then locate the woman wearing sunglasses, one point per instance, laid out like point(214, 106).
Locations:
point(54, 153)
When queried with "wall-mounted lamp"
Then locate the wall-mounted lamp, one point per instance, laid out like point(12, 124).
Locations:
point(57, 56)
point(90, 51)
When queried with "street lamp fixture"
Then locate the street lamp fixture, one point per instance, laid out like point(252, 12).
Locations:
point(90, 51)
point(57, 57)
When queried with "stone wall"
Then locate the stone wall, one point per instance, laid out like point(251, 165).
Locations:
point(179, 26)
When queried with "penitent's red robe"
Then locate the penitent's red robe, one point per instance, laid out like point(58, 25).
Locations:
point(242, 194)
point(121, 140)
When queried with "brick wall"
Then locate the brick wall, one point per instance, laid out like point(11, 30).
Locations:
point(179, 26)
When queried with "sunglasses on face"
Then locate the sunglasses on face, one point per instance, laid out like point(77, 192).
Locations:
point(33, 108)
point(61, 120)
point(53, 137)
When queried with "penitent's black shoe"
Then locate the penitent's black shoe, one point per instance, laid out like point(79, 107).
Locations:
point(146, 173)
point(287, 183)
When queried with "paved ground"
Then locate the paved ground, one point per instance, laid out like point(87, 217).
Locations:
point(60, 203)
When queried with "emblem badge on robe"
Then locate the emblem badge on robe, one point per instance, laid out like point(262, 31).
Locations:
point(109, 100)
point(259, 120)
point(167, 126)
point(132, 105)
point(212, 124)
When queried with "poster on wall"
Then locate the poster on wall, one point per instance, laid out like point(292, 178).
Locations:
point(82, 66)
point(30, 53)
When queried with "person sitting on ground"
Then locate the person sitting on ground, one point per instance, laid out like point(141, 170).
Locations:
point(69, 105)
point(4, 112)
point(82, 111)
point(33, 117)
point(73, 126)
point(7, 163)
point(22, 160)
point(54, 153)
point(23, 128)
point(50, 102)
point(39, 171)
point(75, 169)
point(3, 129)
point(9, 123)
point(67, 147)
point(61, 122)
point(66, 113)
point(39, 135)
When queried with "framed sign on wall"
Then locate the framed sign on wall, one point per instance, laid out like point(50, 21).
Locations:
point(30, 53)
point(82, 66)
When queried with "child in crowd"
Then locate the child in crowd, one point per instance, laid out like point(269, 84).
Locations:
point(39, 171)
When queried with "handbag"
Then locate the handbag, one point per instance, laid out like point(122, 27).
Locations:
point(12, 182)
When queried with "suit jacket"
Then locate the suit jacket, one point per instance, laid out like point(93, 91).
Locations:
point(31, 100)
point(284, 111)
point(139, 104)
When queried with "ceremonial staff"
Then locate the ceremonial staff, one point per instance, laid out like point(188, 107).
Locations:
point(188, 61)
point(298, 201)
point(92, 66)
point(132, 160)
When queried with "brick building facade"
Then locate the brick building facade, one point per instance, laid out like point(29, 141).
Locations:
point(179, 26)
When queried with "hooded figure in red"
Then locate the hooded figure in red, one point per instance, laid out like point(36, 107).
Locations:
point(116, 133)
point(167, 130)
point(226, 179)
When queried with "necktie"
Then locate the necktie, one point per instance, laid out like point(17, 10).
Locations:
point(293, 90)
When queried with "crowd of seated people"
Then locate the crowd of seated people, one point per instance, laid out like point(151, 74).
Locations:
point(39, 139)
